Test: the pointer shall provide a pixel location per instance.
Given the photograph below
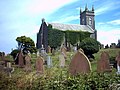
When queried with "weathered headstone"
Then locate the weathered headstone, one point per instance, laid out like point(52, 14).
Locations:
point(103, 64)
point(28, 67)
point(49, 49)
point(75, 48)
point(8, 69)
point(62, 59)
point(64, 50)
point(42, 50)
point(20, 59)
point(118, 63)
point(49, 61)
point(53, 51)
point(80, 64)
point(39, 65)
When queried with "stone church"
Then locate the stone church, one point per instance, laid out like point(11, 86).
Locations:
point(87, 24)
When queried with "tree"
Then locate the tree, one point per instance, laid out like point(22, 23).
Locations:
point(90, 46)
point(27, 44)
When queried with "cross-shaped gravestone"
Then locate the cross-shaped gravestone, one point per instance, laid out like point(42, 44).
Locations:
point(9, 69)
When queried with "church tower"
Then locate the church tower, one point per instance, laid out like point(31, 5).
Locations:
point(87, 18)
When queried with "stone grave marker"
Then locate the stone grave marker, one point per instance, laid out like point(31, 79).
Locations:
point(49, 61)
point(118, 62)
point(8, 69)
point(39, 65)
point(64, 50)
point(53, 51)
point(103, 64)
point(79, 64)
point(28, 67)
point(61, 59)
point(75, 48)
point(49, 49)
point(20, 59)
point(42, 50)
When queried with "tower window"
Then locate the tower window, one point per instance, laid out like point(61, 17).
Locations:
point(83, 21)
point(90, 21)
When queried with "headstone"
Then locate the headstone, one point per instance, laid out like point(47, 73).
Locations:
point(64, 50)
point(9, 69)
point(49, 49)
point(103, 64)
point(118, 63)
point(79, 64)
point(38, 54)
point(28, 67)
point(20, 59)
point(49, 61)
point(53, 51)
point(62, 59)
point(42, 51)
point(39, 65)
point(75, 48)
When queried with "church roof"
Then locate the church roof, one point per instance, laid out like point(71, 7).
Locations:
point(72, 27)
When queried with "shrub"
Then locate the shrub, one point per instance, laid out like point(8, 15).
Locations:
point(90, 46)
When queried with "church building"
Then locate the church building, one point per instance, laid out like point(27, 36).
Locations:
point(87, 24)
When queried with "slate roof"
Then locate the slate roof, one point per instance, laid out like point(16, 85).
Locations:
point(72, 27)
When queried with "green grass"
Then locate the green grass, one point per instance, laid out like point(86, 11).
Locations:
point(56, 78)
point(55, 60)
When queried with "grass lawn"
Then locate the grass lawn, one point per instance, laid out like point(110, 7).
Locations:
point(56, 78)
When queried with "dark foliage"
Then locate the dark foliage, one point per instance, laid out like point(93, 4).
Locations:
point(55, 37)
point(90, 46)
point(27, 44)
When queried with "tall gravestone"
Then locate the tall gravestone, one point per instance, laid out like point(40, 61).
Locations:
point(61, 59)
point(28, 67)
point(79, 64)
point(39, 65)
point(20, 59)
point(103, 64)
point(49, 61)
point(118, 62)
point(64, 50)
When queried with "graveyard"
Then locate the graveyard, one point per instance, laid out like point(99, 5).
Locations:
point(65, 71)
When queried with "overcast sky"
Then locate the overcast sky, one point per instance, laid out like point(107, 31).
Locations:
point(23, 17)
